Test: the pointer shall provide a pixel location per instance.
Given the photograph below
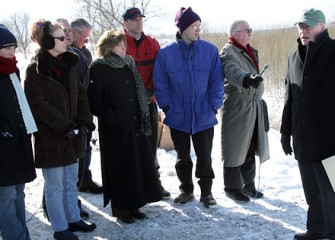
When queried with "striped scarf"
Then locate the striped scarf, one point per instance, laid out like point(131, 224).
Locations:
point(115, 61)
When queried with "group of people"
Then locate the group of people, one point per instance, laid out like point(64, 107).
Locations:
point(190, 80)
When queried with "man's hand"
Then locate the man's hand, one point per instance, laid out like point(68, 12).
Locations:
point(286, 144)
point(252, 80)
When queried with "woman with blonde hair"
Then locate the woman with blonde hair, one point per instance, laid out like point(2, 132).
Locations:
point(117, 97)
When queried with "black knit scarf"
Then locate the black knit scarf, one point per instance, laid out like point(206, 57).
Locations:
point(115, 61)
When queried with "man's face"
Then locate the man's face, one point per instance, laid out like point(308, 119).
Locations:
point(242, 33)
point(134, 27)
point(192, 33)
point(309, 34)
point(68, 33)
point(80, 37)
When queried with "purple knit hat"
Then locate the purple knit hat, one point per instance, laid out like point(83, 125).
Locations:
point(184, 18)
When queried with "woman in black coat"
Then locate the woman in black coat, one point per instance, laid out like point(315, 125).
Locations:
point(16, 155)
point(117, 97)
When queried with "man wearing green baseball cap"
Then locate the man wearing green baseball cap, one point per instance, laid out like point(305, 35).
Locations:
point(309, 116)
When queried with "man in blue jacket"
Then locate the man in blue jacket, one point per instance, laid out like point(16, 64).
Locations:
point(188, 81)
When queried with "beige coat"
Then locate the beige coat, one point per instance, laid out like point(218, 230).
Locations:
point(242, 109)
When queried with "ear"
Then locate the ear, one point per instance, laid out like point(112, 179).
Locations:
point(47, 42)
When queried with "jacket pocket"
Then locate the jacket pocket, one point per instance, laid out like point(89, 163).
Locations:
point(204, 115)
point(175, 115)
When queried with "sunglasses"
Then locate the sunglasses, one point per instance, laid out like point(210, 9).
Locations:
point(62, 38)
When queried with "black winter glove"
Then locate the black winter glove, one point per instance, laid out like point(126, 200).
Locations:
point(286, 144)
point(5, 134)
point(82, 130)
point(252, 80)
point(70, 131)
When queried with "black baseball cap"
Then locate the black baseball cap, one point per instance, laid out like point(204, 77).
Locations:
point(132, 13)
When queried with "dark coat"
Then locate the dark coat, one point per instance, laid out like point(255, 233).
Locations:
point(309, 110)
point(16, 155)
point(56, 108)
point(128, 172)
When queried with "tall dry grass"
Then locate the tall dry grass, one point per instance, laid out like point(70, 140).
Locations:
point(274, 47)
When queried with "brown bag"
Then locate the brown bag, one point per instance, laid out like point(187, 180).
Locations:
point(164, 136)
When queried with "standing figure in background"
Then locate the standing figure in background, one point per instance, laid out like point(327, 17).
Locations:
point(188, 80)
point(16, 158)
point(81, 31)
point(117, 97)
point(144, 49)
point(243, 132)
point(60, 107)
point(309, 117)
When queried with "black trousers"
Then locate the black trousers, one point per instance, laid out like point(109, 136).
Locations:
point(202, 143)
point(154, 132)
point(320, 198)
point(242, 176)
point(84, 171)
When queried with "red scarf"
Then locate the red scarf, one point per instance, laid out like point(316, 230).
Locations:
point(246, 49)
point(7, 66)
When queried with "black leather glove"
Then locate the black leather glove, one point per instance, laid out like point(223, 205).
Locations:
point(5, 134)
point(252, 80)
point(286, 144)
point(69, 131)
point(82, 130)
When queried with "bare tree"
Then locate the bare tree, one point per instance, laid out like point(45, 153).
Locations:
point(107, 14)
point(18, 24)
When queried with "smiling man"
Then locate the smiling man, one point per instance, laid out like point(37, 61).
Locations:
point(309, 116)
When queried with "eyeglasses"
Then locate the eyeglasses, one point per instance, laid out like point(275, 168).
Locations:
point(62, 38)
point(195, 27)
point(86, 39)
point(247, 30)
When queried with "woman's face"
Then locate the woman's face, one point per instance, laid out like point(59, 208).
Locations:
point(8, 52)
point(60, 42)
point(120, 49)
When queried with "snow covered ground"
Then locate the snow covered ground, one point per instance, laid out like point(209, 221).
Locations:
point(280, 214)
point(277, 216)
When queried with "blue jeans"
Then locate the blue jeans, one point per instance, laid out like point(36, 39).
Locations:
point(61, 196)
point(13, 213)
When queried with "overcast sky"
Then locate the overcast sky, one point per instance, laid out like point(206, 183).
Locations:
point(217, 14)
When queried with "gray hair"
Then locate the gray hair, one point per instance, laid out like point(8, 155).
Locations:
point(80, 24)
point(233, 27)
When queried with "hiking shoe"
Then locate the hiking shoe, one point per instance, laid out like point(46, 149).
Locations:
point(184, 198)
point(208, 200)
point(253, 193)
point(65, 235)
point(237, 195)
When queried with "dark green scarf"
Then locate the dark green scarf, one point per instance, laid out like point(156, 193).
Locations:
point(115, 61)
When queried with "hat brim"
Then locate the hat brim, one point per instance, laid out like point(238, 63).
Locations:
point(308, 22)
point(136, 16)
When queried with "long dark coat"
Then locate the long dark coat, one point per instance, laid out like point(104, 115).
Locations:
point(128, 172)
point(55, 109)
point(242, 109)
point(16, 155)
point(309, 110)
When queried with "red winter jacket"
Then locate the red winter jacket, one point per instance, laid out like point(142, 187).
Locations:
point(144, 55)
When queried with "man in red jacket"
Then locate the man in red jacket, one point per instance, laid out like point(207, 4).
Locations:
point(143, 49)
